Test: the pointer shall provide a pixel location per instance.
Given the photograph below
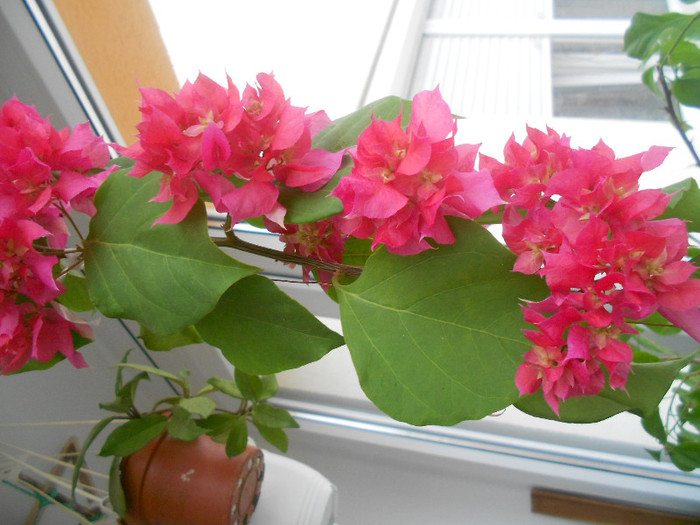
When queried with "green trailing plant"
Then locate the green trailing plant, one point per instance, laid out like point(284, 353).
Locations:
point(675, 423)
point(186, 415)
point(667, 45)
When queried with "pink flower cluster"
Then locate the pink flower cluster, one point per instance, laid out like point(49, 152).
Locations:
point(238, 149)
point(44, 174)
point(404, 182)
point(578, 218)
point(321, 240)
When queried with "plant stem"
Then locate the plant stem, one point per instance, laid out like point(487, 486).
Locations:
point(232, 241)
point(675, 120)
point(69, 269)
point(63, 210)
point(61, 253)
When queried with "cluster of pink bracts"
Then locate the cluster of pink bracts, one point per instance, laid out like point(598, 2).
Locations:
point(44, 174)
point(576, 217)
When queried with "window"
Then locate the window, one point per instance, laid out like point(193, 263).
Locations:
point(541, 63)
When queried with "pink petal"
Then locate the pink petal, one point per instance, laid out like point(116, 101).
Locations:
point(215, 147)
point(375, 200)
point(687, 320)
point(289, 129)
point(253, 199)
point(316, 168)
point(654, 157)
point(417, 156)
point(432, 112)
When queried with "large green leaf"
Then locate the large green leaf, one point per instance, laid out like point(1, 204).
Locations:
point(436, 337)
point(344, 131)
point(261, 330)
point(186, 336)
point(166, 276)
point(646, 386)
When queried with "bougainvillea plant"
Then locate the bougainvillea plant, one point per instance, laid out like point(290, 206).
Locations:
point(382, 208)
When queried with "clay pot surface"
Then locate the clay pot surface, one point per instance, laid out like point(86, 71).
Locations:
point(173, 482)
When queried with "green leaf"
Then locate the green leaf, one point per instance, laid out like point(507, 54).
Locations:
point(357, 251)
point(656, 454)
point(237, 440)
point(653, 425)
point(186, 336)
point(262, 330)
point(273, 417)
point(304, 206)
point(658, 324)
point(125, 396)
point(182, 425)
point(94, 432)
point(122, 162)
point(649, 34)
point(133, 435)
point(687, 90)
point(76, 296)
point(640, 356)
point(685, 204)
point(686, 456)
point(34, 365)
point(275, 437)
point(226, 386)
point(117, 498)
point(201, 406)
point(646, 386)
point(686, 56)
point(649, 80)
point(166, 276)
point(153, 370)
point(218, 426)
point(436, 338)
point(343, 133)
point(269, 387)
point(250, 386)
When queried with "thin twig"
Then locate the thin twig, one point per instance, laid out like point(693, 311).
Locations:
point(675, 120)
point(63, 210)
point(58, 252)
point(72, 267)
point(232, 241)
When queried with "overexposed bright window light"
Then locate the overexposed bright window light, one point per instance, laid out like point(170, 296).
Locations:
point(321, 52)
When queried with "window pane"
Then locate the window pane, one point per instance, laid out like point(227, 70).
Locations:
point(595, 79)
point(606, 8)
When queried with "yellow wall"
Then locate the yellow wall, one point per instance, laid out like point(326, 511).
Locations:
point(120, 43)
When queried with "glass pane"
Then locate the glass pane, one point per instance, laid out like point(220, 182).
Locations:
point(597, 80)
point(606, 8)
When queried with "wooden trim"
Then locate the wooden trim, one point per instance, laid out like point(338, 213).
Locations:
point(594, 510)
point(120, 43)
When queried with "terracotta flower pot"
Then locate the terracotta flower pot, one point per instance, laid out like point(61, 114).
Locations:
point(173, 482)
